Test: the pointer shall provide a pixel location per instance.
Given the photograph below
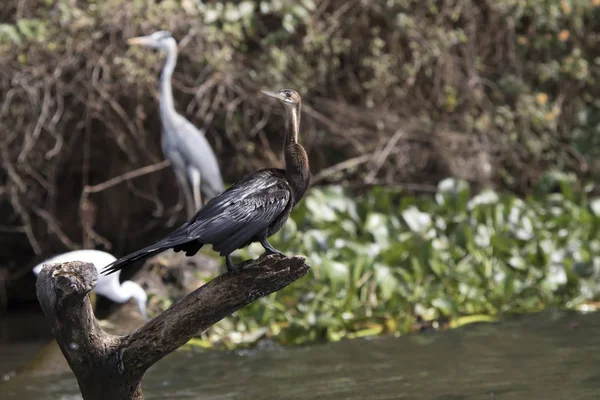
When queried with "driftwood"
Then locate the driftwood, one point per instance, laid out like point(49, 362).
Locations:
point(112, 367)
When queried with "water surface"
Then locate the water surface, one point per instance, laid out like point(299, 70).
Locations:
point(550, 356)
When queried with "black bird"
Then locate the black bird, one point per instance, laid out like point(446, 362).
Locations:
point(251, 210)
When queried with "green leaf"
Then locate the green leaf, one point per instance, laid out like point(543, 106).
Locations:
point(376, 225)
point(502, 244)
point(417, 221)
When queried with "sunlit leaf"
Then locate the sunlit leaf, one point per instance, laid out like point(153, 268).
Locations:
point(376, 224)
point(416, 220)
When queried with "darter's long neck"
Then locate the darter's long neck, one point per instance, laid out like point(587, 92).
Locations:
point(293, 126)
point(166, 89)
point(297, 170)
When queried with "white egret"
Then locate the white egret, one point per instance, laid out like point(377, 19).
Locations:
point(107, 286)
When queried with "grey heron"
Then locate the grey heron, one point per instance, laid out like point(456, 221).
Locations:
point(251, 210)
point(192, 158)
point(107, 286)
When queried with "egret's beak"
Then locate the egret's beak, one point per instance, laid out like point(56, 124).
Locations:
point(142, 306)
point(140, 40)
point(277, 96)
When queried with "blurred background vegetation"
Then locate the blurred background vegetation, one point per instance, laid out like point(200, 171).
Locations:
point(399, 96)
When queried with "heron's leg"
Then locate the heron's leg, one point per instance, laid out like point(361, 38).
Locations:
point(183, 182)
point(270, 249)
point(195, 179)
point(231, 267)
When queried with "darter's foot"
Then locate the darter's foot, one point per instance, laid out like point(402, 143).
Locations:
point(231, 267)
point(270, 249)
point(275, 251)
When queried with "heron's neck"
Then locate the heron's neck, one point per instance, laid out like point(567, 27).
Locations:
point(166, 88)
point(119, 294)
point(297, 169)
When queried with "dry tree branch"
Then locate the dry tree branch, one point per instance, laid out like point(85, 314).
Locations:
point(54, 226)
point(87, 209)
point(108, 366)
point(25, 218)
point(37, 130)
point(384, 154)
point(341, 166)
point(148, 169)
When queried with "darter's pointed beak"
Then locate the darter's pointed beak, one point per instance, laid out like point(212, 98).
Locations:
point(277, 96)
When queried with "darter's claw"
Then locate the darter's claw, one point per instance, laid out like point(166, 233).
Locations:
point(274, 251)
point(231, 267)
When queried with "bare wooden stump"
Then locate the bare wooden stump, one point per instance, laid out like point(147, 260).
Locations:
point(112, 367)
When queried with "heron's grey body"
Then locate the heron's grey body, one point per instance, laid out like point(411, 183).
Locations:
point(191, 156)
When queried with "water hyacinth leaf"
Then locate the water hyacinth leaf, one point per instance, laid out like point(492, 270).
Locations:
point(376, 225)
point(439, 268)
point(584, 269)
point(417, 221)
point(471, 319)
point(315, 240)
point(517, 263)
point(289, 231)
point(502, 244)
point(595, 206)
point(553, 181)
point(337, 199)
point(395, 254)
point(510, 255)
point(453, 193)
point(337, 273)
point(417, 268)
point(525, 229)
point(482, 236)
point(445, 305)
point(464, 237)
point(567, 190)
point(500, 214)
point(404, 276)
point(349, 227)
point(486, 197)
point(387, 282)
point(556, 277)
point(320, 211)
point(372, 331)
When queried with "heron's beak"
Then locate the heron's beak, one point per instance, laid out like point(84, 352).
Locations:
point(277, 96)
point(140, 40)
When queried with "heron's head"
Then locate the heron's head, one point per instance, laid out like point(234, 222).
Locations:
point(138, 294)
point(289, 97)
point(156, 40)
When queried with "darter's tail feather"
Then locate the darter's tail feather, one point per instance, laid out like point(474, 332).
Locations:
point(174, 239)
point(130, 258)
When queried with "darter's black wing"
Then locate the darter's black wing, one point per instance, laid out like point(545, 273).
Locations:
point(227, 221)
point(246, 212)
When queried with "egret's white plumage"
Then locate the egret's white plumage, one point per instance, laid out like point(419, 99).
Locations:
point(107, 286)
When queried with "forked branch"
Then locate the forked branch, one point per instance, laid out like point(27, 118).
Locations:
point(108, 366)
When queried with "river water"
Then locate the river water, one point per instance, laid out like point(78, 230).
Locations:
point(549, 356)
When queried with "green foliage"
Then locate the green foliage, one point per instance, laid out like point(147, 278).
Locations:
point(381, 261)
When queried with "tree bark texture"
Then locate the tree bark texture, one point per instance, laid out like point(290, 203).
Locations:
point(112, 367)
